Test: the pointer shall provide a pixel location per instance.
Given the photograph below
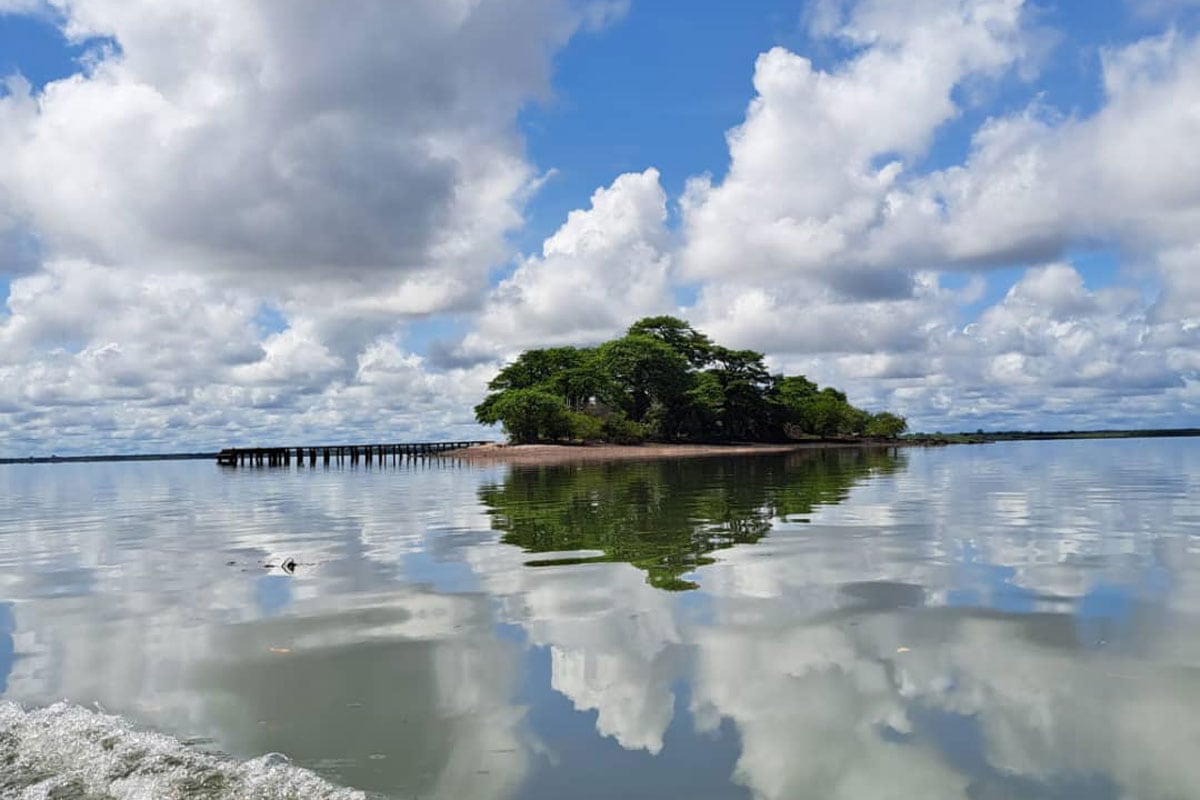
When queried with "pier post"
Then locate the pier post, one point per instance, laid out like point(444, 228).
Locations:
point(370, 454)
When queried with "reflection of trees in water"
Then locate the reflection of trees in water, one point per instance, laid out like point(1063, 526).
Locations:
point(665, 516)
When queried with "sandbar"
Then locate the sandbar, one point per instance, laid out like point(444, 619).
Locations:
point(537, 454)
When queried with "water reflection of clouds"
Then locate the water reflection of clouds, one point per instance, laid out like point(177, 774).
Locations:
point(989, 622)
point(610, 635)
point(172, 620)
point(1053, 717)
point(415, 678)
point(858, 692)
point(8, 624)
point(1036, 663)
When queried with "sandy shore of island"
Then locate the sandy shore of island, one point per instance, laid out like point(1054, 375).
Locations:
point(538, 454)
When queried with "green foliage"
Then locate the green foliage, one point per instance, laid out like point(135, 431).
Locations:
point(793, 389)
point(664, 380)
point(535, 367)
point(572, 373)
point(743, 381)
point(821, 414)
point(641, 371)
point(586, 427)
point(528, 415)
point(619, 429)
point(886, 425)
point(825, 413)
point(704, 404)
point(681, 337)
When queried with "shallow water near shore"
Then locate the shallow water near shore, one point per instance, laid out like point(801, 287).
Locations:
point(1011, 620)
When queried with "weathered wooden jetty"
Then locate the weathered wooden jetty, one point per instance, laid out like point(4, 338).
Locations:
point(367, 454)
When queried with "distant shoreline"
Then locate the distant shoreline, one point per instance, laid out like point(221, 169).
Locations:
point(86, 459)
point(538, 454)
point(983, 437)
point(561, 453)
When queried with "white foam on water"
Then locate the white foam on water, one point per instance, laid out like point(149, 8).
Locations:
point(64, 752)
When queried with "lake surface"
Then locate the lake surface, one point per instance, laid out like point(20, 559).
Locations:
point(1014, 620)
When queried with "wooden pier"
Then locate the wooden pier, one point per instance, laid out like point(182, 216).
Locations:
point(367, 454)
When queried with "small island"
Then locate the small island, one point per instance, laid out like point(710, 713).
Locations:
point(665, 383)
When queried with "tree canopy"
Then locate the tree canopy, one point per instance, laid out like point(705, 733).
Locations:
point(663, 380)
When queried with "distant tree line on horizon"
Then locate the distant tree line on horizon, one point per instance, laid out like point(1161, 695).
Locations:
point(665, 381)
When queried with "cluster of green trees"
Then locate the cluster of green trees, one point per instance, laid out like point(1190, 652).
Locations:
point(663, 380)
point(667, 517)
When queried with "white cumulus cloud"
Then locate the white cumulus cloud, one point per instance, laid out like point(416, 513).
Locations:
point(605, 267)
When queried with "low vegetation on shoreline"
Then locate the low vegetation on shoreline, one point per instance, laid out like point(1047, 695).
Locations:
point(664, 381)
point(986, 437)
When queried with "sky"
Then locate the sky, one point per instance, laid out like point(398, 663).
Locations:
point(226, 222)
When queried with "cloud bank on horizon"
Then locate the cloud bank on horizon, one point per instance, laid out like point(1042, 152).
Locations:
point(230, 221)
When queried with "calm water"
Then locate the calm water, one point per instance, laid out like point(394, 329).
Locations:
point(1017, 620)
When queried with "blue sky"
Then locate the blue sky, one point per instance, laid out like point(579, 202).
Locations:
point(664, 85)
point(240, 222)
point(36, 48)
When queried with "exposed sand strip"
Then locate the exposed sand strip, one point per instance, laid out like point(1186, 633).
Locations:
point(563, 454)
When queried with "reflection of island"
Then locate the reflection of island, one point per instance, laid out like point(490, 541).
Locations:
point(987, 623)
point(665, 517)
